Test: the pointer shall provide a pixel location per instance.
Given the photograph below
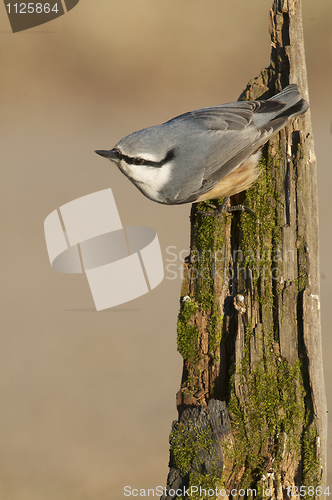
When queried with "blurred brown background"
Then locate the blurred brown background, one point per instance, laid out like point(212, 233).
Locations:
point(87, 398)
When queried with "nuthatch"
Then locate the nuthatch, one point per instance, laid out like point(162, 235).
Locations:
point(204, 154)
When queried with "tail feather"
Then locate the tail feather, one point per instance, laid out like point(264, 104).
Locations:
point(292, 97)
point(292, 104)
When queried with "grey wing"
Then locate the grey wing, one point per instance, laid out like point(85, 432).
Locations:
point(232, 138)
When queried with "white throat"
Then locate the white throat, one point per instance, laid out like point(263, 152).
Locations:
point(150, 180)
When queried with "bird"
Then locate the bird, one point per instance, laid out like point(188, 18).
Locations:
point(206, 154)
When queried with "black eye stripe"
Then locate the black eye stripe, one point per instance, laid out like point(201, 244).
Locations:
point(141, 161)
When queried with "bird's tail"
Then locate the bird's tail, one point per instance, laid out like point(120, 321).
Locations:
point(276, 111)
point(292, 98)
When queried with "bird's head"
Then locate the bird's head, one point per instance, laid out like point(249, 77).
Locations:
point(146, 158)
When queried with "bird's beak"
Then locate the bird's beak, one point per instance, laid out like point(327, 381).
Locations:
point(111, 155)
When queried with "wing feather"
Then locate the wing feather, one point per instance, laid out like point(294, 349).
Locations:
point(237, 131)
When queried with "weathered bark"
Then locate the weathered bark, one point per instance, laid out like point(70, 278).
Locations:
point(249, 322)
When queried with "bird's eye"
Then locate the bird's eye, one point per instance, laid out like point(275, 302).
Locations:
point(138, 161)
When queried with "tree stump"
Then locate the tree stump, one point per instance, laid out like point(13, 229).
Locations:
point(252, 407)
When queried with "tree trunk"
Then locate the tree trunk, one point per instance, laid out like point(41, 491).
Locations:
point(252, 408)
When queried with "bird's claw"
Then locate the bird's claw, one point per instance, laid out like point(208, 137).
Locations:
point(224, 208)
point(241, 208)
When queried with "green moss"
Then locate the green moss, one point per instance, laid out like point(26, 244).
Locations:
point(205, 262)
point(274, 406)
point(188, 332)
point(261, 237)
point(274, 396)
point(216, 332)
point(208, 242)
point(311, 462)
point(186, 446)
point(272, 420)
point(189, 450)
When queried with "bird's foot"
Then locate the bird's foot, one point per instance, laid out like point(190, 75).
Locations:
point(224, 208)
point(241, 208)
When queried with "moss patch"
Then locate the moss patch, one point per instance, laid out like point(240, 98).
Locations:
point(188, 332)
point(192, 453)
point(261, 237)
point(206, 260)
point(269, 424)
point(311, 462)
